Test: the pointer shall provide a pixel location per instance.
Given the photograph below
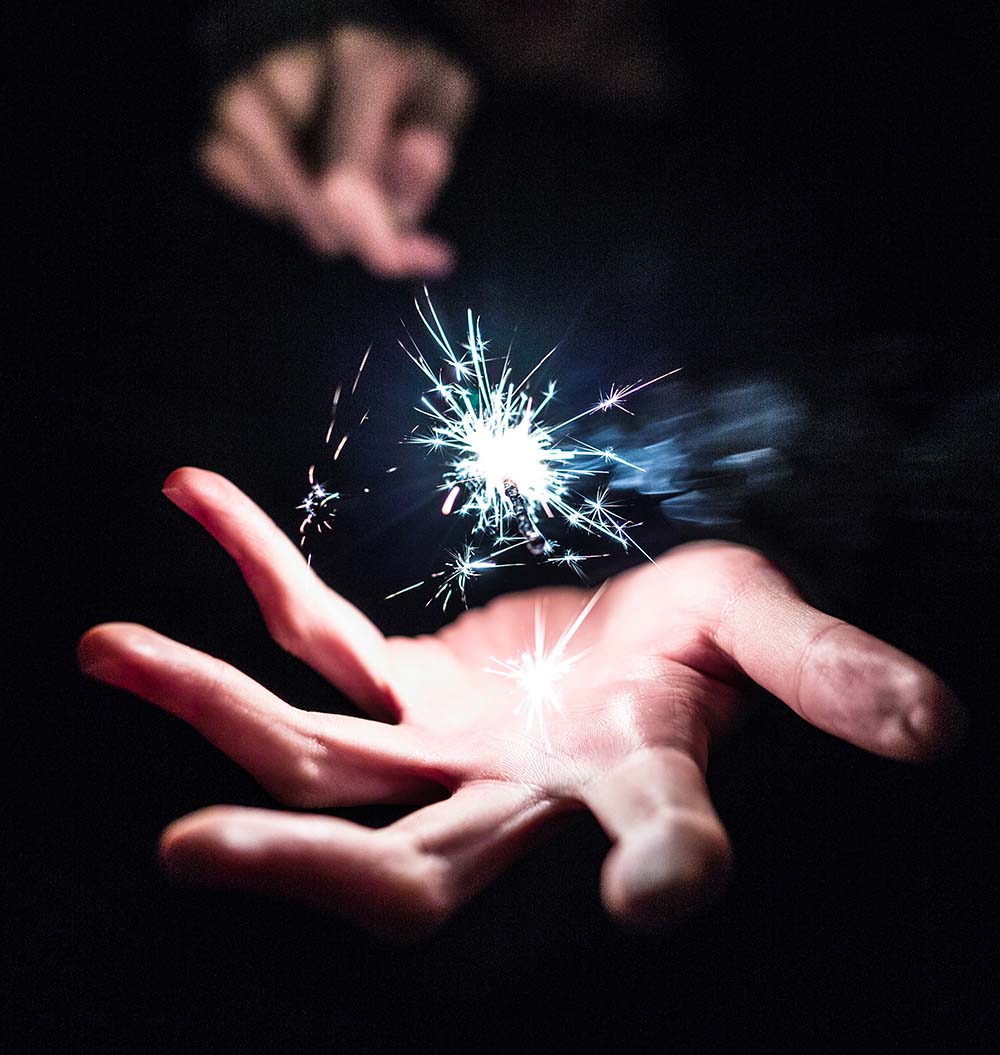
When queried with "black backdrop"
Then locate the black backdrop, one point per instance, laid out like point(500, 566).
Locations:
point(817, 207)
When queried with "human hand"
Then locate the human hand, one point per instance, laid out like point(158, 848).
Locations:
point(665, 652)
point(385, 114)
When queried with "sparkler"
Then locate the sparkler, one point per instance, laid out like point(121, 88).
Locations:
point(517, 475)
point(506, 466)
point(537, 672)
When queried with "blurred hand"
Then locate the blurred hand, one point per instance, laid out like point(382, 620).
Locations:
point(665, 648)
point(350, 140)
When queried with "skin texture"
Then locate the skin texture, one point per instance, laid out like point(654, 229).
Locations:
point(666, 648)
point(349, 139)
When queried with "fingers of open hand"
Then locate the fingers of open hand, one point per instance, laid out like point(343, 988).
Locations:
point(834, 675)
point(359, 208)
point(227, 164)
point(671, 853)
point(304, 758)
point(395, 111)
point(250, 116)
point(304, 616)
point(380, 84)
point(294, 76)
point(392, 112)
point(416, 166)
point(401, 881)
point(420, 155)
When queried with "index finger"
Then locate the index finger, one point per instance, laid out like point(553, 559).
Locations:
point(304, 616)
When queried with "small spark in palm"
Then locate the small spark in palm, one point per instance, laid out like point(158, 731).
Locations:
point(537, 672)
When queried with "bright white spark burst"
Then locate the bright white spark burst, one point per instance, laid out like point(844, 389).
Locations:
point(506, 466)
point(537, 672)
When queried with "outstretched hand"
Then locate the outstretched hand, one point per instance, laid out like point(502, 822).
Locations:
point(662, 657)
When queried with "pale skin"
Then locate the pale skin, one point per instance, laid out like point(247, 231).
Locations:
point(669, 649)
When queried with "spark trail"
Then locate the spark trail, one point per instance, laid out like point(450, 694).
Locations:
point(318, 505)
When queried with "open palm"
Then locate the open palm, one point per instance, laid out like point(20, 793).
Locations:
point(650, 675)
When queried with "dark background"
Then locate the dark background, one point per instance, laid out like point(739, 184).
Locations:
point(816, 206)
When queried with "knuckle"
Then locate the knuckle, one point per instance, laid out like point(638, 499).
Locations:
point(744, 574)
point(819, 658)
point(290, 624)
point(743, 561)
point(283, 634)
point(303, 784)
point(419, 897)
point(727, 571)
